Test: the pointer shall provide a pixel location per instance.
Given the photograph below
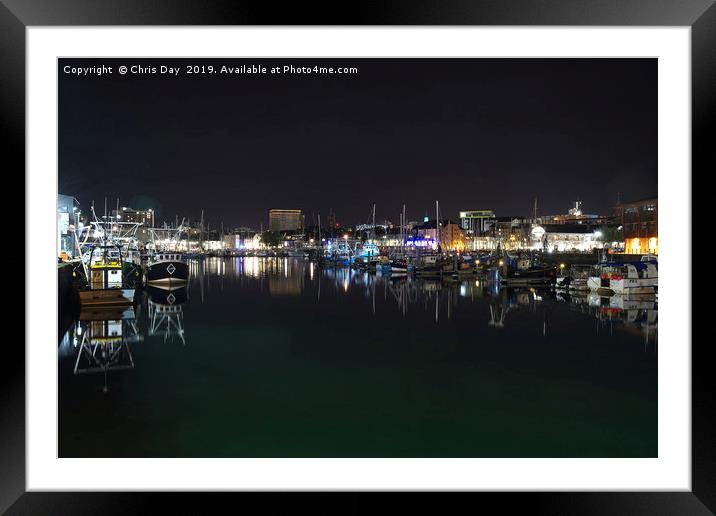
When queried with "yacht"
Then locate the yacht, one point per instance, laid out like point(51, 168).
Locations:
point(625, 278)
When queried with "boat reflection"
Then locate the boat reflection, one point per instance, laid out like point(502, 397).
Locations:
point(104, 337)
point(166, 313)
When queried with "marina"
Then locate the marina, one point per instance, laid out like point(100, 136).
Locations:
point(281, 356)
point(386, 263)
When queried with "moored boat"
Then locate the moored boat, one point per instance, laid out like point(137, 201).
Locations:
point(526, 270)
point(105, 285)
point(625, 278)
point(166, 268)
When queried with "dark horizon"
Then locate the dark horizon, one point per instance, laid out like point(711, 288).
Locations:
point(471, 133)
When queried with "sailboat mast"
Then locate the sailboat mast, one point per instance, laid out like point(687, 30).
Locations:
point(373, 235)
point(404, 230)
point(201, 231)
point(437, 223)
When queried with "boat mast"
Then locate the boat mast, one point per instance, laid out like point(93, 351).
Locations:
point(437, 223)
point(373, 233)
point(404, 231)
point(201, 232)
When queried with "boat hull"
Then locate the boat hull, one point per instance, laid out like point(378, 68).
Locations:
point(167, 272)
point(624, 286)
point(531, 277)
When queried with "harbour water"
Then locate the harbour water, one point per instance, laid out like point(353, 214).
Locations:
point(276, 357)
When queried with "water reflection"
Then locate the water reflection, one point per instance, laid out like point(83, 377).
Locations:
point(252, 346)
point(102, 340)
point(166, 313)
point(280, 276)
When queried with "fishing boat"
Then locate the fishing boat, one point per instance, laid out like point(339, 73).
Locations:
point(105, 282)
point(625, 278)
point(166, 264)
point(430, 263)
point(115, 234)
point(525, 270)
point(166, 268)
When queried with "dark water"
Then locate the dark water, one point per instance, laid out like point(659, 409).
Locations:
point(278, 358)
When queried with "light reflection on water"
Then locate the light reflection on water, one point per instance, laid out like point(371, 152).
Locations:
point(236, 310)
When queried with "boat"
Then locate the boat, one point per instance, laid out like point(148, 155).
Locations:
point(428, 264)
point(115, 234)
point(105, 279)
point(457, 266)
point(166, 264)
point(383, 265)
point(399, 265)
point(575, 279)
point(166, 268)
point(625, 278)
point(525, 270)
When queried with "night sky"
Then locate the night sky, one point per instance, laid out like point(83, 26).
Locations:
point(471, 133)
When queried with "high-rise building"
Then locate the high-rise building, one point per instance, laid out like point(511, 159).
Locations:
point(285, 220)
point(143, 217)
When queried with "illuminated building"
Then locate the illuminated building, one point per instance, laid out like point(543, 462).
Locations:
point(477, 223)
point(451, 235)
point(285, 220)
point(564, 238)
point(574, 215)
point(67, 221)
point(512, 232)
point(640, 226)
point(143, 217)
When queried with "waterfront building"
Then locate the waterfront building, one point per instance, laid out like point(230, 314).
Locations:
point(640, 225)
point(477, 223)
point(563, 237)
point(286, 220)
point(451, 236)
point(242, 239)
point(391, 238)
point(67, 221)
point(574, 215)
point(513, 232)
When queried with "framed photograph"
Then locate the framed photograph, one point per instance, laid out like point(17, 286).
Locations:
point(412, 248)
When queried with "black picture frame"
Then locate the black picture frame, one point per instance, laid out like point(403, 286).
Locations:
point(17, 15)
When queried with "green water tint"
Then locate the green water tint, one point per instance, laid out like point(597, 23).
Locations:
point(282, 359)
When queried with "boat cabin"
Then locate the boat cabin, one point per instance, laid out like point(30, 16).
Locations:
point(167, 257)
point(105, 268)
